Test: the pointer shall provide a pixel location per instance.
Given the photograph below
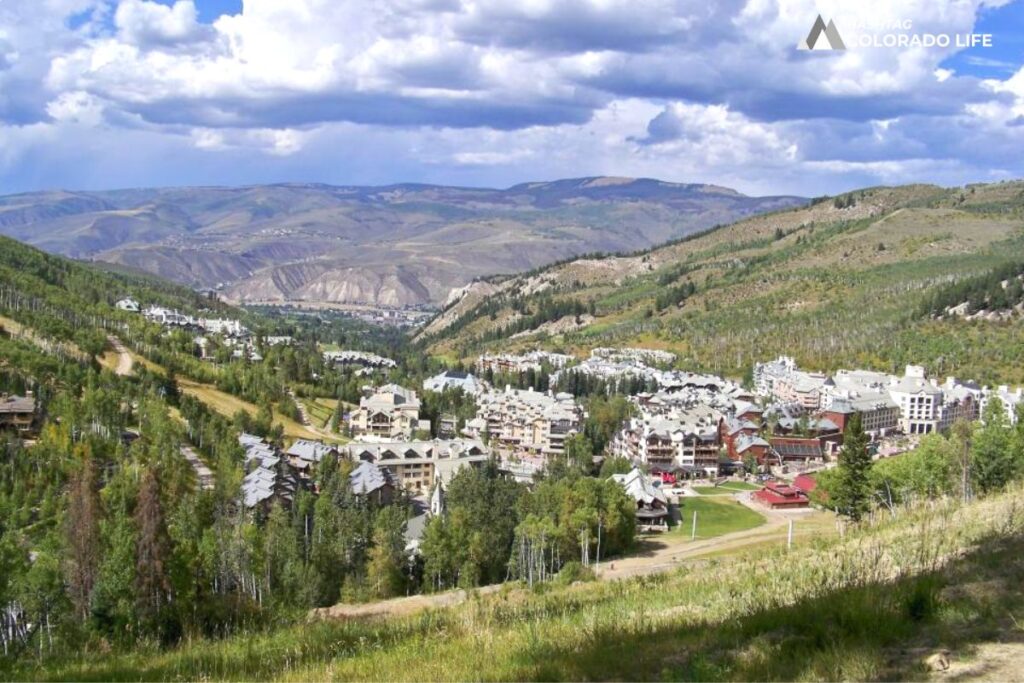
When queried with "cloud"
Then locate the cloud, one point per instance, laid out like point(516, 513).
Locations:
point(486, 91)
point(145, 23)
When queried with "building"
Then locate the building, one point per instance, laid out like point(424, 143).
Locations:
point(730, 429)
point(879, 414)
point(361, 358)
point(751, 446)
point(534, 360)
point(279, 340)
point(269, 479)
point(453, 379)
point(782, 381)
point(528, 421)
point(796, 450)
point(223, 326)
point(303, 455)
point(371, 482)
point(417, 465)
point(168, 317)
point(128, 304)
point(1011, 400)
point(779, 496)
point(391, 412)
point(651, 501)
point(265, 486)
point(17, 413)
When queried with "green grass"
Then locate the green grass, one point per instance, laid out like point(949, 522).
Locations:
point(319, 410)
point(727, 488)
point(714, 491)
point(716, 517)
point(868, 607)
point(742, 486)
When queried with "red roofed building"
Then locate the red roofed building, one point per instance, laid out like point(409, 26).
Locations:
point(805, 483)
point(779, 496)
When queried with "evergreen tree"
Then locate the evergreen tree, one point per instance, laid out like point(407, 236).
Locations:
point(851, 492)
point(992, 459)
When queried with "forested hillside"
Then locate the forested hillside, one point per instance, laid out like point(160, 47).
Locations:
point(848, 281)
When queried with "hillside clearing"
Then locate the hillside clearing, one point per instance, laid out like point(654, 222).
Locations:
point(227, 405)
point(715, 517)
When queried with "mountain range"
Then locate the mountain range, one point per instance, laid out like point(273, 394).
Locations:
point(398, 245)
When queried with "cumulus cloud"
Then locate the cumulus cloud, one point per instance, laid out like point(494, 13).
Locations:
point(486, 91)
point(145, 23)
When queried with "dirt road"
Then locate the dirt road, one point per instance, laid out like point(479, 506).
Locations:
point(204, 475)
point(125, 363)
point(658, 553)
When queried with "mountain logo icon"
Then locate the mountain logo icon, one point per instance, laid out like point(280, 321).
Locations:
point(813, 41)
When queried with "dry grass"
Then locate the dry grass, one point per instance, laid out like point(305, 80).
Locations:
point(227, 405)
point(866, 607)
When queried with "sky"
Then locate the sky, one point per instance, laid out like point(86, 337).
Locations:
point(103, 94)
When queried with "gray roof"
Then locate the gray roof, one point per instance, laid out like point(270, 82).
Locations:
point(367, 478)
point(312, 451)
point(17, 404)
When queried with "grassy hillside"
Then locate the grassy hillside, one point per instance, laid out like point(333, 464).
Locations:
point(837, 283)
point(874, 605)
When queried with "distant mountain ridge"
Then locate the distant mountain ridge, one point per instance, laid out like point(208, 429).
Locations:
point(393, 245)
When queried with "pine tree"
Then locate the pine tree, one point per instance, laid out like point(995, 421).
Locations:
point(851, 494)
point(992, 459)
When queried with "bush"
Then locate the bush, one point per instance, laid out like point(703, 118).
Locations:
point(572, 572)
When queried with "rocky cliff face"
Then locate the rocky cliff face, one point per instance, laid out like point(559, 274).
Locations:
point(398, 245)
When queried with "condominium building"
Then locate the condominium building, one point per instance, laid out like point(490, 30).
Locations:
point(526, 420)
point(390, 412)
point(417, 465)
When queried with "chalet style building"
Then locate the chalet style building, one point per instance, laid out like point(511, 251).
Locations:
point(390, 413)
point(374, 483)
point(17, 413)
point(416, 465)
point(304, 455)
point(779, 496)
point(651, 501)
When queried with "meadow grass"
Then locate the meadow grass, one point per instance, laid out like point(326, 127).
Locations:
point(868, 606)
point(715, 517)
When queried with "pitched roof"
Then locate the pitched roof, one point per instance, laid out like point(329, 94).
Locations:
point(311, 451)
point(17, 404)
point(367, 478)
point(640, 487)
